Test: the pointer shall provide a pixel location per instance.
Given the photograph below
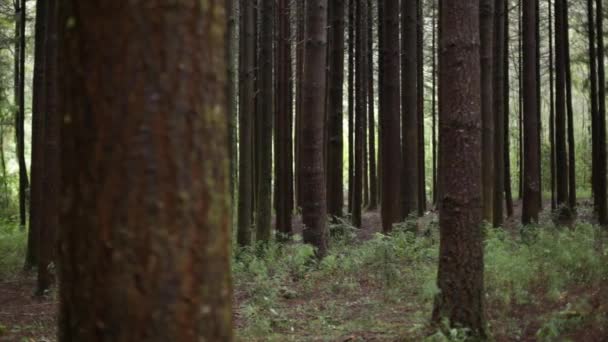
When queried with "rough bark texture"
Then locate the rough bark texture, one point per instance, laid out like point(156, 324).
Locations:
point(351, 102)
point(507, 145)
point(264, 119)
point(314, 208)
point(283, 136)
point(601, 118)
point(232, 95)
point(37, 158)
point(144, 252)
point(390, 116)
point(570, 115)
point(531, 184)
point(360, 110)
point(460, 275)
point(409, 116)
point(246, 113)
point(371, 119)
point(551, 109)
point(420, 99)
point(499, 111)
point(486, 9)
point(335, 187)
point(434, 101)
point(49, 211)
point(20, 115)
point(299, 75)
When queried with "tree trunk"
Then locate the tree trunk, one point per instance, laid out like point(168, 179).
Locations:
point(460, 276)
point(144, 252)
point(314, 209)
point(409, 118)
point(300, 6)
point(246, 115)
point(264, 119)
point(551, 110)
point(51, 181)
point(531, 198)
point(37, 158)
point(434, 101)
point(420, 99)
point(351, 103)
point(499, 111)
point(232, 94)
point(561, 162)
point(507, 145)
point(21, 10)
point(283, 137)
point(335, 188)
point(360, 112)
point(570, 114)
point(371, 122)
point(601, 119)
point(389, 115)
point(486, 22)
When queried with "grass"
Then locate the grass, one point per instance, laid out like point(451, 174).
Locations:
point(12, 249)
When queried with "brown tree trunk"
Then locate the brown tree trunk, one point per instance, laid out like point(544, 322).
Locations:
point(507, 145)
point(531, 198)
point(145, 217)
point(601, 119)
point(360, 110)
point(420, 99)
point(335, 188)
point(486, 8)
point(314, 209)
point(37, 158)
point(300, 6)
point(371, 122)
point(389, 115)
point(460, 276)
point(232, 94)
point(20, 116)
point(561, 162)
point(51, 181)
point(551, 110)
point(351, 102)
point(283, 137)
point(499, 111)
point(409, 118)
point(570, 115)
point(264, 119)
point(434, 101)
point(246, 114)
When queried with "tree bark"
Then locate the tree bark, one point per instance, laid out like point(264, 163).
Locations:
point(314, 208)
point(409, 116)
point(551, 110)
point(601, 118)
point(21, 10)
point(507, 145)
point(390, 115)
point(371, 122)
point(420, 99)
point(351, 102)
point(531, 185)
point(144, 252)
point(360, 110)
point(499, 111)
point(570, 115)
point(460, 275)
point(486, 22)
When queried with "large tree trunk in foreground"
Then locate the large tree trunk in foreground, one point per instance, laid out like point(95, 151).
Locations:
point(531, 195)
point(602, 211)
point(314, 209)
point(389, 116)
point(360, 110)
point(144, 252)
point(460, 277)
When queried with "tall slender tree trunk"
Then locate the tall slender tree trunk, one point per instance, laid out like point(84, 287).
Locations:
point(351, 102)
point(232, 94)
point(390, 114)
point(601, 118)
point(371, 122)
point(486, 22)
point(531, 185)
point(314, 209)
point(409, 116)
point(264, 119)
point(20, 117)
point(507, 145)
point(145, 234)
point(246, 115)
point(520, 95)
point(38, 115)
point(300, 15)
point(561, 162)
point(551, 109)
point(420, 85)
point(51, 181)
point(570, 115)
point(460, 277)
point(499, 111)
point(434, 100)
point(335, 187)
point(360, 110)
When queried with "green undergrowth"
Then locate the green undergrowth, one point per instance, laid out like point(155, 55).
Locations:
point(12, 249)
point(541, 282)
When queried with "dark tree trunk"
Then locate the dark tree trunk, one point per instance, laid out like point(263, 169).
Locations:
point(264, 119)
point(300, 6)
point(499, 111)
point(570, 115)
point(389, 115)
point(420, 76)
point(246, 114)
point(283, 137)
point(409, 118)
point(551, 110)
point(351, 102)
point(486, 22)
point(51, 181)
point(561, 162)
point(360, 110)
point(531, 185)
point(434, 101)
point(232, 95)
point(507, 145)
point(314, 209)
point(460, 276)
point(144, 252)
point(335, 188)
point(601, 119)
point(21, 10)
point(520, 95)
point(371, 122)
point(37, 158)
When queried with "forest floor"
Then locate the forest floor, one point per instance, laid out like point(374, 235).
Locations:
point(547, 284)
